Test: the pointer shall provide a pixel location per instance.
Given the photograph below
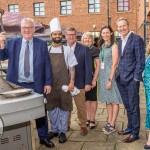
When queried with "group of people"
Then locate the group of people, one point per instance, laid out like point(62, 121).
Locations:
point(110, 73)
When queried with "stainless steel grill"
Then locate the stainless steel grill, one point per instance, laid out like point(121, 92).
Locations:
point(15, 115)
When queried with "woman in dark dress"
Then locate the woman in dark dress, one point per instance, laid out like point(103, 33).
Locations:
point(91, 96)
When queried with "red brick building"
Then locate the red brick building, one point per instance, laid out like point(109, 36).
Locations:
point(84, 15)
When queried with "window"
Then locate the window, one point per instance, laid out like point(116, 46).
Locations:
point(65, 7)
point(95, 34)
point(117, 36)
point(94, 6)
point(123, 5)
point(39, 9)
point(13, 8)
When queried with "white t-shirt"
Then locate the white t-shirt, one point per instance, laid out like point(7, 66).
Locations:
point(69, 56)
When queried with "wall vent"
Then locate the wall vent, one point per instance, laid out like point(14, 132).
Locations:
point(17, 137)
point(4, 141)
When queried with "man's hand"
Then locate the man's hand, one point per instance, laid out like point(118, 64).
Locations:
point(47, 89)
point(71, 86)
point(2, 40)
point(87, 88)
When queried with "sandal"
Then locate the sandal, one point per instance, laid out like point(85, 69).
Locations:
point(87, 123)
point(110, 130)
point(93, 126)
point(105, 127)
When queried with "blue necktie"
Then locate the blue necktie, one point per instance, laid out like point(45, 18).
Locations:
point(27, 61)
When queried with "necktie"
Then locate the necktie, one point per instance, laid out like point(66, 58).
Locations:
point(27, 61)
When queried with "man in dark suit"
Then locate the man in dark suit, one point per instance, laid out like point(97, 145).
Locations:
point(29, 66)
point(83, 75)
point(129, 75)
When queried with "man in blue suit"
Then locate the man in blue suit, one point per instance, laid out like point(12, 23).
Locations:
point(129, 75)
point(83, 75)
point(29, 66)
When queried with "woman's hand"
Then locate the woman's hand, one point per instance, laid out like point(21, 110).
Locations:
point(93, 83)
point(108, 85)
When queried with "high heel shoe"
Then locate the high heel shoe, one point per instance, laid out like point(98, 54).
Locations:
point(93, 126)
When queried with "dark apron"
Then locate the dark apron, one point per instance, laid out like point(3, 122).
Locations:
point(57, 97)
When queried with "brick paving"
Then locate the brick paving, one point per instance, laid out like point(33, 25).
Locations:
point(96, 140)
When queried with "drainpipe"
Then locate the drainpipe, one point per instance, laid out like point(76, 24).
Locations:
point(145, 22)
point(108, 12)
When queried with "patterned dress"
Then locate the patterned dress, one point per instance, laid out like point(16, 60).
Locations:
point(112, 95)
point(147, 91)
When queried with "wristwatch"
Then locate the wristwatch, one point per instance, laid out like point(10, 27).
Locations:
point(109, 79)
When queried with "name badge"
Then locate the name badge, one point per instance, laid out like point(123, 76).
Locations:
point(102, 65)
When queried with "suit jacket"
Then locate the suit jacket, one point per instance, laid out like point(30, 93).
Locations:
point(132, 61)
point(84, 68)
point(41, 62)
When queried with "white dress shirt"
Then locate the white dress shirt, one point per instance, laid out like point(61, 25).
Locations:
point(124, 41)
point(72, 47)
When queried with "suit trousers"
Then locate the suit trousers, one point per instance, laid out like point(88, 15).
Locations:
point(130, 97)
point(81, 110)
point(41, 123)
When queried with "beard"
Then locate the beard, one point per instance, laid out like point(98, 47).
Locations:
point(57, 41)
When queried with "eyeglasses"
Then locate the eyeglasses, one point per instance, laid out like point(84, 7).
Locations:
point(71, 34)
point(27, 28)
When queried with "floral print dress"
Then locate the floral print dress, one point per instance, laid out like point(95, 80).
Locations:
point(147, 91)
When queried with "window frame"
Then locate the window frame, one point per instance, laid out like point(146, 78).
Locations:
point(40, 12)
point(65, 6)
point(123, 6)
point(14, 8)
point(94, 8)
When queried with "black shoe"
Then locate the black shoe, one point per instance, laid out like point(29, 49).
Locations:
point(62, 138)
point(146, 146)
point(52, 135)
point(47, 143)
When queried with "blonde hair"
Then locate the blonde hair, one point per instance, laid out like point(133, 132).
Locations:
point(27, 20)
point(148, 49)
point(89, 34)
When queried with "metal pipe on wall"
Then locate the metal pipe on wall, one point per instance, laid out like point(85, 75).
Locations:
point(108, 12)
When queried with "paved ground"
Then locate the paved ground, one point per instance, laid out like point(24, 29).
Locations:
point(96, 140)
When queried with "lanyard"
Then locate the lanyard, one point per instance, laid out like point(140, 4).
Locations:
point(102, 53)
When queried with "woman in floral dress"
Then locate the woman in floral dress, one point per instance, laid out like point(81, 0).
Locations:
point(147, 94)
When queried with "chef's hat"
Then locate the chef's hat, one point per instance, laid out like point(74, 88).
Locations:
point(54, 25)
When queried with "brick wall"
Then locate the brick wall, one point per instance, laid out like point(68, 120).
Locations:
point(80, 18)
